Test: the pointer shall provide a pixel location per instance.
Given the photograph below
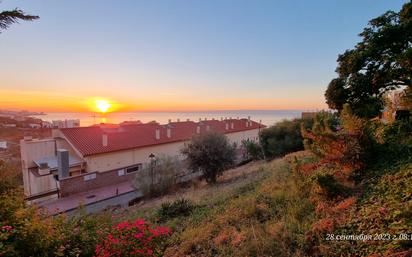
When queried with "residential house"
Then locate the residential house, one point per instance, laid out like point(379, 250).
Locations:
point(107, 157)
point(66, 123)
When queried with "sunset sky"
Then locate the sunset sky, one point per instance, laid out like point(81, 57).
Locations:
point(177, 54)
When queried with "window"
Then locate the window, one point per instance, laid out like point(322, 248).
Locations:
point(120, 172)
point(89, 177)
point(133, 168)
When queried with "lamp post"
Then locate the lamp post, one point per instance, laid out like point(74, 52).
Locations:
point(152, 162)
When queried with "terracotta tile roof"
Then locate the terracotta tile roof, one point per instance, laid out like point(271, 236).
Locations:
point(89, 140)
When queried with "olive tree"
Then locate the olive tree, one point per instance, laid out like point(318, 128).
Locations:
point(211, 153)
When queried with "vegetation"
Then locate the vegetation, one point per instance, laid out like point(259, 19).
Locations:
point(180, 207)
point(27, 231)
point(10, 177)
point(253, 150)
point(210, 153)
point(159, 177)
point(260, 219)
point(380, 62)
point(9, 17)
point(282, 138)
point(292, 210)
point(133, 239)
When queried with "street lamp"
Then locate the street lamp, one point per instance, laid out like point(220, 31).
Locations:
point(152, 162)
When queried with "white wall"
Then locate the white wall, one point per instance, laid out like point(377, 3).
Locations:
point(120, 159)
point(237, 137)
point(32, 150)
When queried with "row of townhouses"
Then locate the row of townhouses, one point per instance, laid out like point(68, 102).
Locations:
point(95, 165)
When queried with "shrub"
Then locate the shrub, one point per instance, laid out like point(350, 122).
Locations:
point(10, 177)
point(283, 137)
point(21, 226)
point(82, 232)
point(180, 207)
point(211, 153)
point(158, 178)
point(329, 186)
point(253, 150)
point(344, 149)
point(134, 239)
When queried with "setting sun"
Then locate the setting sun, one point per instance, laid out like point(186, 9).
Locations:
point(103, 105)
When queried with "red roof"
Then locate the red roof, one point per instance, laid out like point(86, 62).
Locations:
point(89, 140)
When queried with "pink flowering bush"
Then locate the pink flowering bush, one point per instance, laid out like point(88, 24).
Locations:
point(6, 234)
point(133, 239)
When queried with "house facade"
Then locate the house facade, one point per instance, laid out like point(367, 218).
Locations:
point(79, 159)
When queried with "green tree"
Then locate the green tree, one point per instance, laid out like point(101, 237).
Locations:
point(379, 63)
point(283, 137)
point(253, 150)
point(211, 153)
point(9, 17)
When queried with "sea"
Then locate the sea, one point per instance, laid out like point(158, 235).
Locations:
point(266, 117)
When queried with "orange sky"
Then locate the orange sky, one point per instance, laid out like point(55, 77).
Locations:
point(60, 102)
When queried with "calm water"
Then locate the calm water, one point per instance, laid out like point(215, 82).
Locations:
point(268, 117)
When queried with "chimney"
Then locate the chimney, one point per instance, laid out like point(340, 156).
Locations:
point(198, 129)
point(178, 120)
point(200, 119)
point(169, 132)
point(187, 119)
point(170, 120)
point(206, 118)
point(221, 118)
point(157, 134)
point(104, 140)
point(232, 125)
point(62, 163)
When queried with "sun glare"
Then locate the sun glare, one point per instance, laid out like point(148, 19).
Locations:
point(103, 105)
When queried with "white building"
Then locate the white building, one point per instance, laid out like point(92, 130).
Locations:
point(66, 123)
point(34, 125)
point(3, 145)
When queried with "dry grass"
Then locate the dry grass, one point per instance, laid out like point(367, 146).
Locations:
point(198, 191)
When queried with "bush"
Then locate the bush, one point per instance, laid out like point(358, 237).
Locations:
point(27, 231)
point(253, 150)
point(343, 149)
point(21, 226)
point(134, 239)
point(283, 137)
point(180, 207)
point(10, 177)
point(329, 186)
point(82, 232)
point(159, 178)
point(210, 153)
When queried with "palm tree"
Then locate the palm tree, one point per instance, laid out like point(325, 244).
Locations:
point(9, 17)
